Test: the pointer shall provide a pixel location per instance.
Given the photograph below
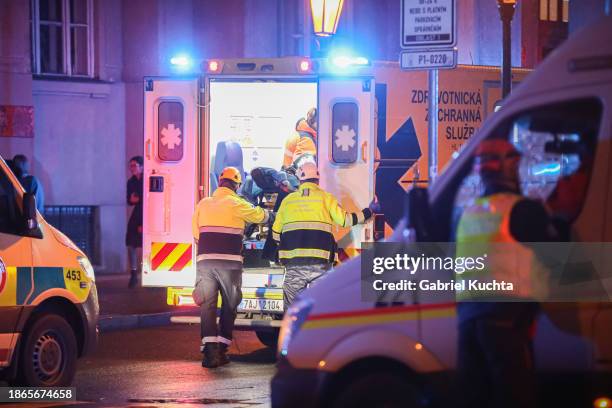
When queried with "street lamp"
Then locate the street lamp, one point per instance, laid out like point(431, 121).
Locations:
point(325, 16)
point(506, 12)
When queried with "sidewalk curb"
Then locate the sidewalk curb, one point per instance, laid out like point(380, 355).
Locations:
point(109, 277)
point(109, 323)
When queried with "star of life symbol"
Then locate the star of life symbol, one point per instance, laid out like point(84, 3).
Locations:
point(171, 136)
point(345, 138)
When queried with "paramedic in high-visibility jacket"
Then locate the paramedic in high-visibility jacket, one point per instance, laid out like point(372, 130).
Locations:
point(495, 359)
point(303, 231)
point(303, 142)
point(218, 227)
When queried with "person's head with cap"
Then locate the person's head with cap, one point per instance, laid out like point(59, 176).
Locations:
point(497, 162)
point(308, 173)
point(231, 178)
point(309, 123)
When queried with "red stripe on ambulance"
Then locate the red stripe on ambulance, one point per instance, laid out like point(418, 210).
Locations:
point(162, 254)
point(184, 259)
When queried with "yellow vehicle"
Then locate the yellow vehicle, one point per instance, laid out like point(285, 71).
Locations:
point(48, 299)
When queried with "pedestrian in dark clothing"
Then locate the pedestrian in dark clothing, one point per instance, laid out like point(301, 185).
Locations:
point(21, 168)
point(133, 236)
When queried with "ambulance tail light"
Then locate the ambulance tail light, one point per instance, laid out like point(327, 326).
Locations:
point(185, 301)
point(213, 66)
point(305, 66)
point(179, 296)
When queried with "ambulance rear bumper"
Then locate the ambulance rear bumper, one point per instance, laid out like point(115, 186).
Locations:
point(241, 324)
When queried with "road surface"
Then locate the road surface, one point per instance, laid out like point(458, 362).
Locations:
point(161, 367)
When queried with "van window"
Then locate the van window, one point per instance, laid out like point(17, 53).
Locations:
point(557, 143)
point(170, 134)
point(345, 128)
point(9, 212)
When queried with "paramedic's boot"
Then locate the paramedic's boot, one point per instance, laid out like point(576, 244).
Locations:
point(211, 355)
point(133, 279)
point(222, 354)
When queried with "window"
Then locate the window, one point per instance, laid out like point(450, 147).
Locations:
point(170, 131)
point(558, 149)
point(10, 214)
point(345, 130)
point(565, 11)
point(80, 224)
point(554, 10)
point(62, 37)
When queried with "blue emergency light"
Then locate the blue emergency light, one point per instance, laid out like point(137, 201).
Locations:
point(345, 61)
point(181, 62)
point(342, 59)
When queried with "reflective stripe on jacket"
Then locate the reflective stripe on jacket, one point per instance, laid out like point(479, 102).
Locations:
point(484, 230)
point(303, 225)
point(218, 224)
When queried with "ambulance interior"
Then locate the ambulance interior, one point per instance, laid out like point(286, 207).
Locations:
point(250, 121)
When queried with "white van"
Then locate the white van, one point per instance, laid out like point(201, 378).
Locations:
point(336, 349)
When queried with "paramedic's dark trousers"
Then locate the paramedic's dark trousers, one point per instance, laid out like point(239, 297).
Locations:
point(495, 366)
point(216, 277)
point(298, 278)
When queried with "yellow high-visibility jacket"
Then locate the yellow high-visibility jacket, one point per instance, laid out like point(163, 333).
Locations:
point(218, 224)
point(303, 225)
point(484, 228)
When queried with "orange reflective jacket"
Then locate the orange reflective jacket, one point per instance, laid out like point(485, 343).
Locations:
point(302, 142)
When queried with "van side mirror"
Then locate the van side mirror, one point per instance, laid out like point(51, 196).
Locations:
point(418, 212)
point(30, 223)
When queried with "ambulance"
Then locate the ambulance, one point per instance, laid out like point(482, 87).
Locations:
point(372, 140)
point(336, 349)
point(48, 299)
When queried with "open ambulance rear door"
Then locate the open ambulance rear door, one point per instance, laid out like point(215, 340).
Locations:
point(346, 150)
point(170, 187)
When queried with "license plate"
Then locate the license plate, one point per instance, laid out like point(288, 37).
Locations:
point(268, 305)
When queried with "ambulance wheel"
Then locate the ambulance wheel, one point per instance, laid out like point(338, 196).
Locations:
point(268, 338)
point(48, 353)
point(377, 389)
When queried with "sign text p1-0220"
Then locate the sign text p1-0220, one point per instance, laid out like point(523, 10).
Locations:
point(428, 59)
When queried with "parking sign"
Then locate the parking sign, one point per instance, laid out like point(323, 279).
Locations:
point(428, 24)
